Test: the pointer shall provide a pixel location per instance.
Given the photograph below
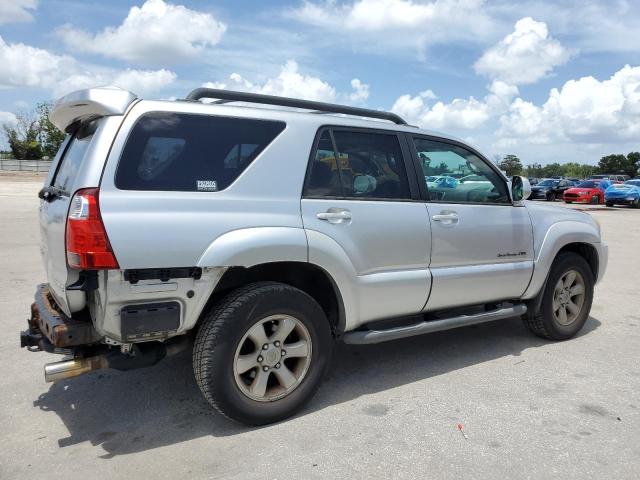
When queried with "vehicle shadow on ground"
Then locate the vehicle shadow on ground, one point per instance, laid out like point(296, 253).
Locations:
point(127, 412)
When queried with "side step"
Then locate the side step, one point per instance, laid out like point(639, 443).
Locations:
point(363, 337)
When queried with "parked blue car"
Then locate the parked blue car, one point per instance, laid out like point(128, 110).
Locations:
point(627, 193)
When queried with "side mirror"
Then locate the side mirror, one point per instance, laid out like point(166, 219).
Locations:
point(520, 189)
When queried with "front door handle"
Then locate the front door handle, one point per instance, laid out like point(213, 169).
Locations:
point(446, 218)
point(334, 215)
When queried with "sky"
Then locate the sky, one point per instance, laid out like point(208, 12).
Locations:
point(547, 80)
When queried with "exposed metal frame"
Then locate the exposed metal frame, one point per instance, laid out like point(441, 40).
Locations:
point(226, 96)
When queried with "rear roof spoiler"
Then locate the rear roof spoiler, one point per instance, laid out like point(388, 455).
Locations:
point(88, 104)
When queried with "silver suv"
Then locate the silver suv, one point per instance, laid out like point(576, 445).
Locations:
point(257, 236)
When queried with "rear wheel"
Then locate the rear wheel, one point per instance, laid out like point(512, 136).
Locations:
point(609, 204)
point(636, 203)
point(595, 200)
point(566, 300)
point(551, 197)
point(261, 352)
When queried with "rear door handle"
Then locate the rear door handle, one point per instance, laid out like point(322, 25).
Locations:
point(334, 216)
point(448, 218)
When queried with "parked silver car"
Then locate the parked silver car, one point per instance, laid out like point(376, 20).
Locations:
point(259, 236)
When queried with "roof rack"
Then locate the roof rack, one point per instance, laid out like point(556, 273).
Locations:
point(226, 96)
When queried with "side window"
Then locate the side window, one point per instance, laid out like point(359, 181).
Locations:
point(371, 165)
point(457, 175)
point(324, 179)
point(189, 152)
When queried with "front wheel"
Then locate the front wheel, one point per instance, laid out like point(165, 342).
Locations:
point(595, 200)
point(566, 300)
point(609, 204)
point(261, 352)
point(636, 203)
point(551, 197)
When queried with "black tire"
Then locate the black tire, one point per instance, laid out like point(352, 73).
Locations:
point(609, 204)
point(543, 323)
point(551, 197)
point(223, 328)
point(636, 203)
point(568, 201)
point(595, 200)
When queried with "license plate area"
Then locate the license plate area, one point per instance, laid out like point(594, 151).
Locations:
point(149, 321)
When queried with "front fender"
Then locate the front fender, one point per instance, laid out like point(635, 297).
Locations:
point(559, 235)
point(247, 247)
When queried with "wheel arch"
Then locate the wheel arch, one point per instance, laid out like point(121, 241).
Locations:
point(310, 278)
point(585, 250)
point(578, 237)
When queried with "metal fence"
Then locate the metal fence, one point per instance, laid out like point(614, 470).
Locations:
point(13, 165)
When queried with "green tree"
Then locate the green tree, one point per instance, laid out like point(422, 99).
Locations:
point(23, 137)
point(33, 135)
point(618, 163)
point(633, 162)
point(511, 164)
point(50, 136)
point(578, 170)
point(533, 170)
point(553, 170)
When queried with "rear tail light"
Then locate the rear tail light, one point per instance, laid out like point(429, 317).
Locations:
point(88, 246)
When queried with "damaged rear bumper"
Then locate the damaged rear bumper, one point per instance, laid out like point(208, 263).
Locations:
point(49, 328)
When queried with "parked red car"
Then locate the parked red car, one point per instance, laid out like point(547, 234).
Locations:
point(588, 191)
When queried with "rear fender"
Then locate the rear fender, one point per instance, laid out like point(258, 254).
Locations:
point(247, 247)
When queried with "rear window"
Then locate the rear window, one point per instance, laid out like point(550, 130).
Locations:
point(189, 152)
point(70, 163)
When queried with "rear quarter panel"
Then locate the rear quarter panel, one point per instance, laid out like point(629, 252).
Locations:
point(151, 229)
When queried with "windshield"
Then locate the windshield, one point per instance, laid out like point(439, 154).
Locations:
point(587, 185)
point(548, 183)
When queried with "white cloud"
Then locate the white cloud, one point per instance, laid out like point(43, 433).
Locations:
point(143, 81)
point(8, 118)
point(27, 66)
point(17, 10)
point(460, 113)
point(360, 91)
point(140, 82)
point(585, 110)
point(155, 33)
point(412, 22)
point(289, 83)
point(524, 56)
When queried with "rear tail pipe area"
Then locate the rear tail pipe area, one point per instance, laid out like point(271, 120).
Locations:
point(73, 368)
point(142, 355)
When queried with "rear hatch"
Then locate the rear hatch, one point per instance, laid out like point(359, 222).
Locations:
point(91, 119)
point(53, 216)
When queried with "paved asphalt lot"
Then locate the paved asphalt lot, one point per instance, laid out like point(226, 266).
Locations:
point(530, 408)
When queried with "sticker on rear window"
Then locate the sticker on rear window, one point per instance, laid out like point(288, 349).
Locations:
point(207, 185)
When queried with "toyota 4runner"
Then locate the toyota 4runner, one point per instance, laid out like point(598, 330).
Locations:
point(257, 236)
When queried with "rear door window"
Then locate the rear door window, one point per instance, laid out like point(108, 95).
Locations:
point(363, 165)
point(71, 161)
point(190, 152)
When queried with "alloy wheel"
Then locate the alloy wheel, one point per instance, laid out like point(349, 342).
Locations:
point(272, 358)
point(568, 297)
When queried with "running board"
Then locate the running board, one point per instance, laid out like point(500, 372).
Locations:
point(363, 337)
